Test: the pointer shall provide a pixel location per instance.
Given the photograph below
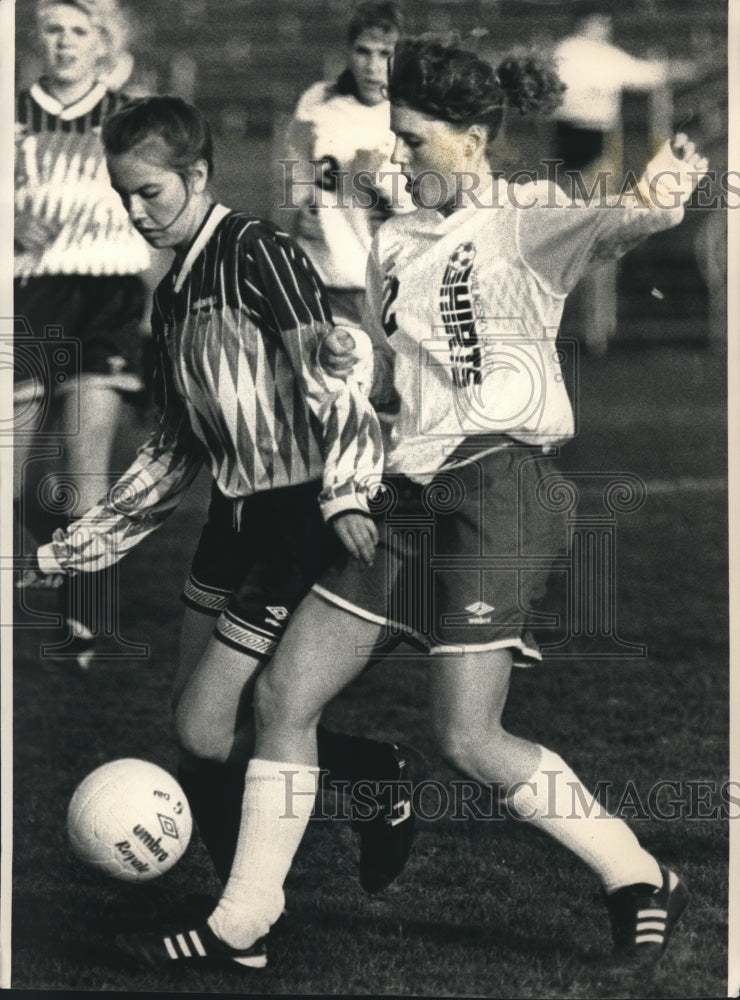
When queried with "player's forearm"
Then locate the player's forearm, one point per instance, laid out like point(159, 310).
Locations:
point(656, 202)
point(353, 461)
point(141, 500)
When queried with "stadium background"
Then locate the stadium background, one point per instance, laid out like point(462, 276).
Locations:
point(245, 62)
point(480, 911)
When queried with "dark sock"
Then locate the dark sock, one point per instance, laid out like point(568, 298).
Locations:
point(354, 758)
point(215, 793)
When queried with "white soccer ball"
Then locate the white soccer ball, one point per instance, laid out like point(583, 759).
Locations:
point(129, 819)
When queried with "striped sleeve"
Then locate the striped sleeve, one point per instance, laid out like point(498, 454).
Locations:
point(145, 495)
point(294, 309)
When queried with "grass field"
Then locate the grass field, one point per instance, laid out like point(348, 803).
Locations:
point(485, 908)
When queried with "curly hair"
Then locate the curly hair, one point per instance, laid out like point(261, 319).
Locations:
point(181, 126)
point(457, 86)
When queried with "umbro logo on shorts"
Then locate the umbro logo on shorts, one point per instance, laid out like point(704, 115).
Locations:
point(278, 615)
point(477, 612)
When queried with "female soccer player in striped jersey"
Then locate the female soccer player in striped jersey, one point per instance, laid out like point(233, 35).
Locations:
point(78, 264)
point(469, 291)
point(340, 132)
point(236, 323)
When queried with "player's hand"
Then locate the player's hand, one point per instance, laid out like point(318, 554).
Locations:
point(30, 233)
point(684, 149)
point(36, 579)
point(339, 353)
point(358, 534)
point(672, 175)
point(309, 224)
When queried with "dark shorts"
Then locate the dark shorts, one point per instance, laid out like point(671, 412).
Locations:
point(251, 577)
point(78, 324)
point(463, 562)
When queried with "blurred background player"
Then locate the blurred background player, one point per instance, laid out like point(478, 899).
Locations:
point(588, 139)
point(344, 126)
point(595, 71)
point(235, 325)
point(78, 265)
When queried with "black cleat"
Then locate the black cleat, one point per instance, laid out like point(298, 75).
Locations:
point(386, 838)
point(156, 949)
point(643, 918)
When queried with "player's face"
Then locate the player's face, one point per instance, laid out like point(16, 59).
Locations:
point(72, 45)
point(165, 207)
point(368, 60)
point(432, 155)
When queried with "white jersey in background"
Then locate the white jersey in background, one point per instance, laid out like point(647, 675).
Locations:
point(471, 304)
point(340, 133)
point(595, 73)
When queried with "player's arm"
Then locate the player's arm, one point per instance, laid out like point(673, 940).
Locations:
point(351, 441)
point(657, 202)
point(145, 495)
point(31, 233)
point(345, 352)
point(299, 172)
point(563, 239)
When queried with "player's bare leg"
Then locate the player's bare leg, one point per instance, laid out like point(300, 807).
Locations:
point(308, 669)
point(196, 632)
point(212, 702)
point(213, 712)
point(468, 694)
point(89, 420)
point(89, 417)
point(468, 697)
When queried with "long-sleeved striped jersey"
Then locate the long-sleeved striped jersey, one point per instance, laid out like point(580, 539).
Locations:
point(237, 325)
point(61, 179)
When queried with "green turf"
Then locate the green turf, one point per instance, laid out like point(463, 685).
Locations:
point(485, 908)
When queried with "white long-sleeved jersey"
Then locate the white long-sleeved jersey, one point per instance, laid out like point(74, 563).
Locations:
point(470, 305)
point(595, 73)
point(338, 149)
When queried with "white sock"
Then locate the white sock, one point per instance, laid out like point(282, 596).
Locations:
point(277, 804)
point(554, 800)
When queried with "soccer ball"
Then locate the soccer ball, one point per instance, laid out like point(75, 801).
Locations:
point(129, 819)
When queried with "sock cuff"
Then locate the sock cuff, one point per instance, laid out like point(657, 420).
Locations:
point(282, 770)
point(540, 789)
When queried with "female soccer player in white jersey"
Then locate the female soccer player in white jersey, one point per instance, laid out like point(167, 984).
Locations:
point(78, 263)
point(469, 294)
point(339, 134)
point(236, 322)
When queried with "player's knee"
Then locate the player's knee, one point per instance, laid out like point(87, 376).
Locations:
point(200, 736)
point(467, 751)
point(279, 702)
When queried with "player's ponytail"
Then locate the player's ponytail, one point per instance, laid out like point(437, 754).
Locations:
point(530, 84)
point(446, 81)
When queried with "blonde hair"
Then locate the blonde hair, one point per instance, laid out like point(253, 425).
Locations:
point(107, 16)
